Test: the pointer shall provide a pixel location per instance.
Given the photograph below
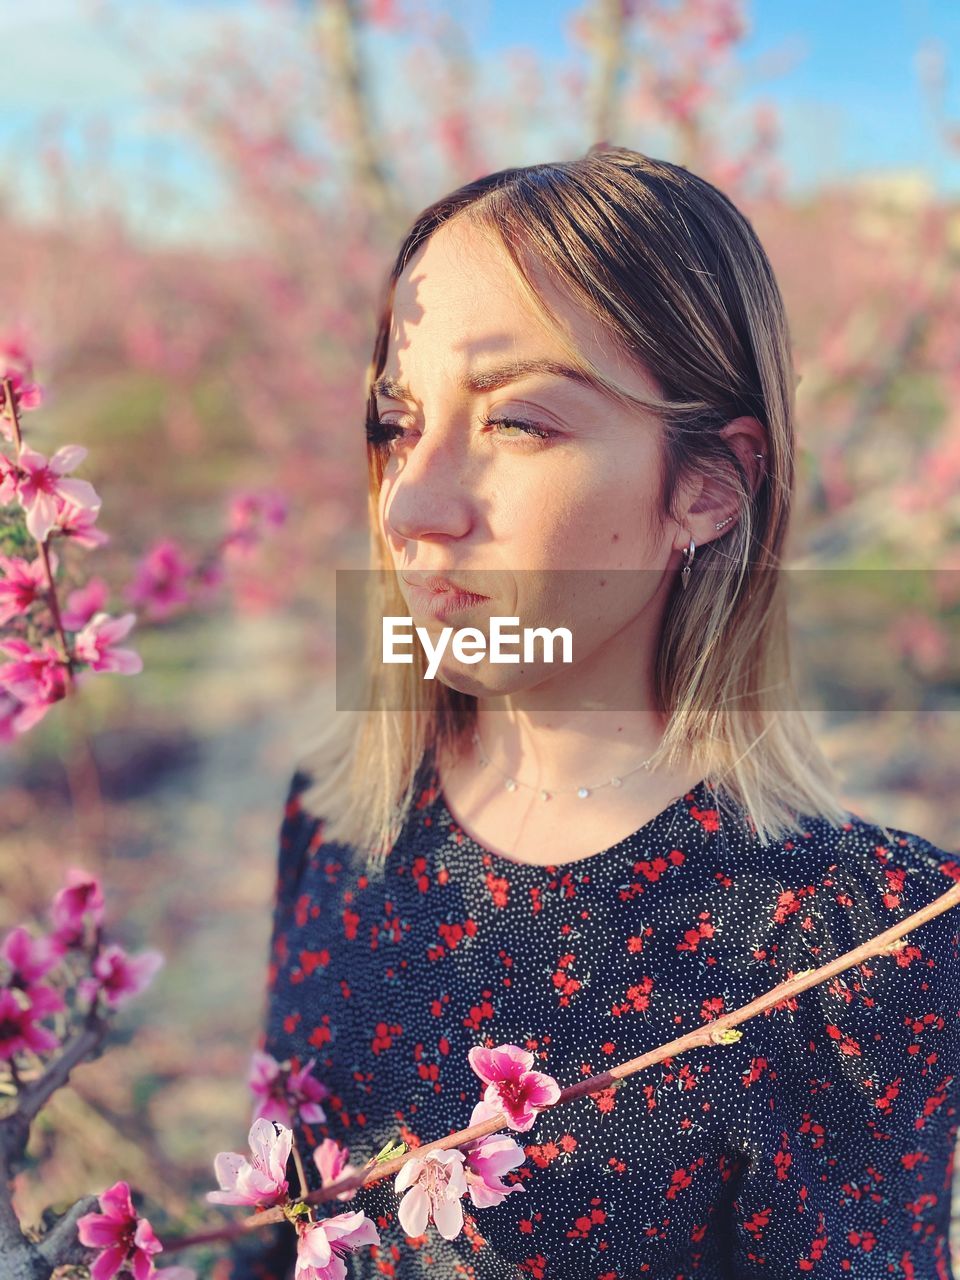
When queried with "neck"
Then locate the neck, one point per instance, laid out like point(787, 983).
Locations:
point(567, 749)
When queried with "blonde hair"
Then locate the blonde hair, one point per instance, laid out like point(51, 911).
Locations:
point(679, 281)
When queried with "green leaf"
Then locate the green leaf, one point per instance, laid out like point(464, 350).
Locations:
point(389, 1151)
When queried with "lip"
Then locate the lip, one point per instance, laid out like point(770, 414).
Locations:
point(438, 582)
point(432, 603)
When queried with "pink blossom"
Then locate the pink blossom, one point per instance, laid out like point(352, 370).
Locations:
point(19, 1011)
point(321, 1245)
point(281, 1094)
point(16, 365)
point(17, 716)
point(29, 958)
point(433, 1184)
point(331, 1160)
point(118, 977)
point(252, 514)
point(83, 603)
point(96, 644)
point(511, 1084)
point(81, 896)
point(488, 1159)
point(123, 1238)
point(161, 582)
point(79, 525)
point(262, 1181)
point(42, 488)
point(22, 582)
point(36, 678)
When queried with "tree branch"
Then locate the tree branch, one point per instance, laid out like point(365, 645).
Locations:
point(884, 943)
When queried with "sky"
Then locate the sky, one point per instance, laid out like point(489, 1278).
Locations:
point(843, 75)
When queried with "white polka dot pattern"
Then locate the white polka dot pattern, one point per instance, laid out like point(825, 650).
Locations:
point(821, 1142)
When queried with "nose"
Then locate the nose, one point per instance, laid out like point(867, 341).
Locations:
point(428, 495)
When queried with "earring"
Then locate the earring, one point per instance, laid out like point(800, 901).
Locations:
point(721, 523)
point(688, 554)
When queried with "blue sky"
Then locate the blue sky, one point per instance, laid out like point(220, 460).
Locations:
point(843, 74)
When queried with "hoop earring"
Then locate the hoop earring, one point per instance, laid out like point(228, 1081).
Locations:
point(688, 554)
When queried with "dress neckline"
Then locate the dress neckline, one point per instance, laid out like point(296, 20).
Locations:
point(700, 793)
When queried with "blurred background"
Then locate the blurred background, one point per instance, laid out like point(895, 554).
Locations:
point(199, 202)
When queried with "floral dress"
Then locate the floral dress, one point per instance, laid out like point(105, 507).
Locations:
point(821, 1142)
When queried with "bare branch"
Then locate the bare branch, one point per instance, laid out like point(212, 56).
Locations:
point(608, 36)
point(883, 944)
point(61, 1245)
point(15, 1127)
point(341, 38)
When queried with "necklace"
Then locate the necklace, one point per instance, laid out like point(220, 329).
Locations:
point(511, 784)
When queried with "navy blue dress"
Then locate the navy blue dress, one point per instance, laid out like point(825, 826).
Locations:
point(821, 1142)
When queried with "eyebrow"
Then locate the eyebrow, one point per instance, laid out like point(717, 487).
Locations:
point(494, 377)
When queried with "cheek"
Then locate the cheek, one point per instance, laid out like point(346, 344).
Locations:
point(584, 516)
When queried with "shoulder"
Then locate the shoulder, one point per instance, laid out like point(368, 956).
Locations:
point(899, 1005)
point(854, 883)
point(887, 866)
point(887, 870)
point(897, 873)
point(819, 893)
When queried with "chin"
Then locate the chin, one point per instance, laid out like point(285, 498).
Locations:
point(491, 680)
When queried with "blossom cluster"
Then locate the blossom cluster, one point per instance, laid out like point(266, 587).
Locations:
point(70, 641)
point(431, 1186)
point(36, 971)
point(65, 971)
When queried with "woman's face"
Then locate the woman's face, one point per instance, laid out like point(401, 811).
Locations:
point(509, 510)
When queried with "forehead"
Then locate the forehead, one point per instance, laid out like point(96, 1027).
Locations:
point(461, 273)
point(458, 305)
point(460, 293)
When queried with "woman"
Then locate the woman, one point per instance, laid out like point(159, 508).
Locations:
point(581, 410)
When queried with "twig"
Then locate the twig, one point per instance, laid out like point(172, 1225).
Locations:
point(300, 1174)
point(80, 764)
point(14, 1128)
point(52, 601)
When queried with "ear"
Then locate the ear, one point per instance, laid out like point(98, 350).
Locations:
point(716, 503)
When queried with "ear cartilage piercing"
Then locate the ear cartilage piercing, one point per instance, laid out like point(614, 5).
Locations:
point(721, 523)
point(688, 551)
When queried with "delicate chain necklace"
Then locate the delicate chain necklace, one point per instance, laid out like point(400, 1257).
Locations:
point(511, 784)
